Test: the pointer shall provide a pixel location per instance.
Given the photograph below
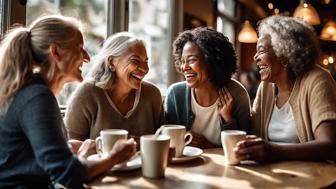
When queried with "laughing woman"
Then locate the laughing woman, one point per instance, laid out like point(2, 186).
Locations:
point(294, 112)
point(35, 63)
point(207, 60)
point(116, 97)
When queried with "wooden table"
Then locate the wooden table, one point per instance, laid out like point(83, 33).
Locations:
point(209, 171)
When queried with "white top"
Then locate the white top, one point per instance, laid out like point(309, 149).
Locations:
point(282, 126)
point(136, 102)
point(207, 121)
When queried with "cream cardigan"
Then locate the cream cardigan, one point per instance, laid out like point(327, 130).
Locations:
point(313, 100)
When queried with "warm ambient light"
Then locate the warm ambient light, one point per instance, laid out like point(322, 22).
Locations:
point(329, 31)
point(307, 13)
point(247, 34)
point(326, 1)
point(276, 11)
point(331, 60)
point(325, 62)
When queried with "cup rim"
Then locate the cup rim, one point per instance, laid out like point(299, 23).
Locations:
point(162, 137)
point(173, 126)
point(114, 131)
point(233, 132)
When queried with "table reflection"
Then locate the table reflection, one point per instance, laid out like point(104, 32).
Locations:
point(209, 171)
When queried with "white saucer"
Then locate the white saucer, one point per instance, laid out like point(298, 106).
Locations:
point(133, 163)
point(189, 153)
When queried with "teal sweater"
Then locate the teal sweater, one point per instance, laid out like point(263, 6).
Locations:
point(177, 106)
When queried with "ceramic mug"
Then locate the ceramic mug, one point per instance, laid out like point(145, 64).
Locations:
point(179, 138)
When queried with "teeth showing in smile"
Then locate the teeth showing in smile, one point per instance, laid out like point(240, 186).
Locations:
point(189, 75)
point(137, 76)
point(263, 67)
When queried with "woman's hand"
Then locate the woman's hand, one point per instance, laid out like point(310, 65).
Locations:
point(136, 139)
point(82, 148)
point(87, 148)
point(200, 141)
point(75, 145)
point(123, 150)
point(254, 149)
point(225, 104)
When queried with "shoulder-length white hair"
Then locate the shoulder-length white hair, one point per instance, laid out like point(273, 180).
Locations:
point(101, 75)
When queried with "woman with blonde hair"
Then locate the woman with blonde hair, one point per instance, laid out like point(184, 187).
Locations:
point(35, 63)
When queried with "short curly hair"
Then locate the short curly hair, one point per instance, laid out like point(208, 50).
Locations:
point(219, 55)
point(294, 42)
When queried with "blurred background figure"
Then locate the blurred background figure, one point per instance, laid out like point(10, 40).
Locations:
point(250, 80)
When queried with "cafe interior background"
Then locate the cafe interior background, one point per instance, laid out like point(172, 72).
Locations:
point(160, 21)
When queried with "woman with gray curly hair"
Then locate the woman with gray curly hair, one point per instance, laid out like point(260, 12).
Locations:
point(116, 97)
point(294, 112)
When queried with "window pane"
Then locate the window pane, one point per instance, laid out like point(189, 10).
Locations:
point(149, 20)
point(226, 27)
point(92, 13)
point(227, 7)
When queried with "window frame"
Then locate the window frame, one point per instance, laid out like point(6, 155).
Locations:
point(12, 11)
point(117, 21)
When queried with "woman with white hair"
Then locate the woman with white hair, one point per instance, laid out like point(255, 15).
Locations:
point(294, 111)
point(115, 96)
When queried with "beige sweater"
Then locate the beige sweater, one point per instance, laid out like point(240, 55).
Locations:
point(313, 100)
point(90, 111)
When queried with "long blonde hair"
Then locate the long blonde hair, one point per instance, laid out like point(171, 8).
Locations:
point(26, 48)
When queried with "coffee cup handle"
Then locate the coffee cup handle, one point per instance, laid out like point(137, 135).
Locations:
point(157, 133)
point(99, 145)
point(189, 140)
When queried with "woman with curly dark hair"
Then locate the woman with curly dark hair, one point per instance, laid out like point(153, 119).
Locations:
point(207, 60)
point(294, 112)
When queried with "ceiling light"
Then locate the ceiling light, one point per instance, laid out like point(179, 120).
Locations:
point(247, 34)
point(307, 13)
point(276, 11)
point(326, 1)
point(325, 62)
point(329, 31)
point(331, 60)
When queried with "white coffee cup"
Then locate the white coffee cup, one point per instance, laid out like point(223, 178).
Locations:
point(229, 140)
point(107, 138)
point(154, 155)
point(178, 136)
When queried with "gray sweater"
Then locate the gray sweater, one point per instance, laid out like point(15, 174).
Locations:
point(90, 111)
